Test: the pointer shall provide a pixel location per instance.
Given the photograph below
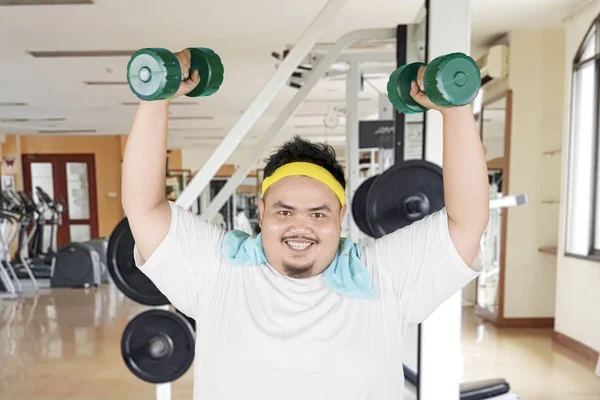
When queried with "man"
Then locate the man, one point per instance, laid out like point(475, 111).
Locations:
point(298, 312)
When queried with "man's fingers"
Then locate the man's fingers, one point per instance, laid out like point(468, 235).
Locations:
point(420, 76)
point(414, 89)
point(184, 62)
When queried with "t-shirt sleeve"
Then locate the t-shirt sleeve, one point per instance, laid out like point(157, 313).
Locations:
point(180, 264)
point(423, 266)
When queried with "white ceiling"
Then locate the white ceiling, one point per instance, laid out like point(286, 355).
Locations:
point(243, 33)
point(492, 18)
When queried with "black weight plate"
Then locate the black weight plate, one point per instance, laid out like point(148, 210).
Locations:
point(390, 204)
point(174, 351)
point(359, 205)
point(125, 274)
point(192, 321)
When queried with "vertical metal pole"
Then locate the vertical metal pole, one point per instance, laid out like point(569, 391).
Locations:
point(440, 367)
point(374, 169)
point(401, 34)
point(163, 391)
point(386, 113)
point(386, 110)
point(352, 149)
point(260, 102)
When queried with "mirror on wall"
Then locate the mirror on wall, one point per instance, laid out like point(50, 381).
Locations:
point(492, 121)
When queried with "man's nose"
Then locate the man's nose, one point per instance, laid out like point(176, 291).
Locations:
point(301, 223)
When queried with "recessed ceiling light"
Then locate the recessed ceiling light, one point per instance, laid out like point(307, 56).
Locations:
point(42, 2)
point(81, 53)
point(68, 131)
point(190, 118)
point(174, 103)
point(194, 129)
point(104, 83)
point(51, 119)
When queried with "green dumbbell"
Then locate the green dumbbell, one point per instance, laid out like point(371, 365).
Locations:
point(155, 73)
point(450, 80)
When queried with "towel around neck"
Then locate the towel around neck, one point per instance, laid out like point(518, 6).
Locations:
point(346, 274)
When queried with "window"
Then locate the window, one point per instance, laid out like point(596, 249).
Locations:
point(583, 188)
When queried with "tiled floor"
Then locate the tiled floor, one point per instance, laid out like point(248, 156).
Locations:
point(64, 344)
point(535, 366)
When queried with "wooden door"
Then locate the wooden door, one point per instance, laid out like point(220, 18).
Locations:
point(71, 180)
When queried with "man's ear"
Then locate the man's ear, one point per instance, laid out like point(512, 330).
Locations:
point(261, 211)
point(343, 213)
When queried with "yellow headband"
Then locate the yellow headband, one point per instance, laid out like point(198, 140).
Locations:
point(306, 169)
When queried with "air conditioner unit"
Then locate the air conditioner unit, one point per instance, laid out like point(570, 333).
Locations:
point(494, 64)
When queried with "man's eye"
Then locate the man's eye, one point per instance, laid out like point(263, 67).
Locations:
point(286, 213)
point(318, 215)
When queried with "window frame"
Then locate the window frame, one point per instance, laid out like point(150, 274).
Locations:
point(578, 64)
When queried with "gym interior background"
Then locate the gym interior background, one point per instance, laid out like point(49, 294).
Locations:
point(65, 109)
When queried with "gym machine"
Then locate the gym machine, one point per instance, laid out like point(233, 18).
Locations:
point(9, 219)
point(37, 259)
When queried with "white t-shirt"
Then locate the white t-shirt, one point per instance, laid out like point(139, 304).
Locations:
point(262, 335)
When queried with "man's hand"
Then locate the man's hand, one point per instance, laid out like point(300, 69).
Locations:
point(188, 82)
point(417, 91)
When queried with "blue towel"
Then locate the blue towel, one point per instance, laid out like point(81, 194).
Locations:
point(346, 274)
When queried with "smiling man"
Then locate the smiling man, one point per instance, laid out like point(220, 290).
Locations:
point(299, 312)
point(301, 210)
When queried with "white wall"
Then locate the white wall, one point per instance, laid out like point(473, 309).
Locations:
point(578, 281)
point(536, 78)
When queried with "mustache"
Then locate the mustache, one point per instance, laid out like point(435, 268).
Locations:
point(300, 237)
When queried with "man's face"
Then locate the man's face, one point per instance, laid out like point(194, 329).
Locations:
point(301, 222)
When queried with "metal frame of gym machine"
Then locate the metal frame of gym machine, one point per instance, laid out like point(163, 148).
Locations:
point(386, 61)
point(441, 375)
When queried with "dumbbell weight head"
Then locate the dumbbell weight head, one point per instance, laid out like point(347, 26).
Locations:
point(210, 68)
point(398, 89)
point(452, 80)
point(153, 74)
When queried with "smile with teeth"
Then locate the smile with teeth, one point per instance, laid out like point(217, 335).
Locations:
point(298, 245)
